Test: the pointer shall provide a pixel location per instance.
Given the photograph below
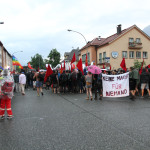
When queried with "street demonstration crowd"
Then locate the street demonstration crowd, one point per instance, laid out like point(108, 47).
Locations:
point(78, 82)
point(72, 82)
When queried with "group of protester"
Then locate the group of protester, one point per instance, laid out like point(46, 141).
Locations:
point(77, 82)
point(72, 82)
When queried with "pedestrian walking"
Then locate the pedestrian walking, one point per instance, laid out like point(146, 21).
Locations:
point(16, 80)
point(6, 94)
point(39, 82)
point(22, 82)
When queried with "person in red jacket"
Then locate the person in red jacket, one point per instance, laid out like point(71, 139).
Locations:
point(6, 93)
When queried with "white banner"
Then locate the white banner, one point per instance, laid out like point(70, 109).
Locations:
point(115, 85)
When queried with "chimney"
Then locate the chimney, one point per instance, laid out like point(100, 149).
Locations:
point(99, 38)
point(119, 29)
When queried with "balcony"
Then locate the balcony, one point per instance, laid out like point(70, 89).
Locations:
point(135, 45)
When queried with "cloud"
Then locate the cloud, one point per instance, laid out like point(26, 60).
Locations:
point(38, 26)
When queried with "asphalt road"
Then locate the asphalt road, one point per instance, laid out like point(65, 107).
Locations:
point(69, 122)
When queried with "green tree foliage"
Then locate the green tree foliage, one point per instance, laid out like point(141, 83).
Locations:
point(37, 62)
point(54, 57)
point(138, 64)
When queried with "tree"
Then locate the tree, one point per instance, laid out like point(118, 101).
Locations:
point(37, 62)
point(54, 57)
point(138, 64)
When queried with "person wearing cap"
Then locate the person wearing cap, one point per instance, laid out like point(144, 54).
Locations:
point(22, 82)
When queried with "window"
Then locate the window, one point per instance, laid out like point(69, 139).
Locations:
point(124, 54)
point(138, 54)
point(100, 58)
point(138, 40)
point(131, 40)
point(84, 57)
point(145, 55)
point(131, 54)
point(104, 55)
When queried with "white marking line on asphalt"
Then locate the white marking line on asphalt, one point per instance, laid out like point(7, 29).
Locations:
point(75, 99)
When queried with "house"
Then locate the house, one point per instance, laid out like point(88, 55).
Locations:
point(68, 55)
point(5, 57)
point(131, 43)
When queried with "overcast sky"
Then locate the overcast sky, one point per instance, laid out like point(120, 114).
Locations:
point(38, 26)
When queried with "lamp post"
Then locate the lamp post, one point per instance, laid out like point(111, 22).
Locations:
point(80, 34)
point(16, 52)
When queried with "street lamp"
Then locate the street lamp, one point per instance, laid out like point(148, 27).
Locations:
point(16, 52)
point(81, 35)
point(78, 33)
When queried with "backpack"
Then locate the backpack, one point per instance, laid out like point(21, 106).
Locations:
point(7, 87)
point(41, 77)
point(64, 78)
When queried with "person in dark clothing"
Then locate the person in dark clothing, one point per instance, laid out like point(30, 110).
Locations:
point(54, 81)
point(69, 82)
point(132, 84)
point(144, 79)
point(80, 83)
point(16, 80)
point(98, 85)
point(74, 81)
point(63, 81)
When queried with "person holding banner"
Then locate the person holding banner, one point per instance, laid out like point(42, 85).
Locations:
point(132, 83)
point(88, 80)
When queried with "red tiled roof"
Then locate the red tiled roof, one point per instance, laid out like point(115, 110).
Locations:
point(103, 41)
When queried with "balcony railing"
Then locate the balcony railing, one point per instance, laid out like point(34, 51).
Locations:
point(135, 45)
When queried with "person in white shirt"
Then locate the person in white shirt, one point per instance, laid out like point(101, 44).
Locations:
point(22, 81)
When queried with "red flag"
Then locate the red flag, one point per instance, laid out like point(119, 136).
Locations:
point(110, 67)
point(48, 72)
point(61, 69)
point(123, 64)
point(103, 66)
point(73, 58)
point(79, 65)
point(64, 65)
point(141, 67)
point(29, 65)
point(86, 61)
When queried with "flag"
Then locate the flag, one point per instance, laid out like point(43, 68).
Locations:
point(104, 68)
point(123, 64)
point(148, 66)
point(141, 67)
point(79, 65)
point(110, 67)
point(20, 67)
point(61, 70)
point(15, 62)
point(64, 66)
point(73, 58)
point(29, 65)
point(48, 72)
point(86, 61)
